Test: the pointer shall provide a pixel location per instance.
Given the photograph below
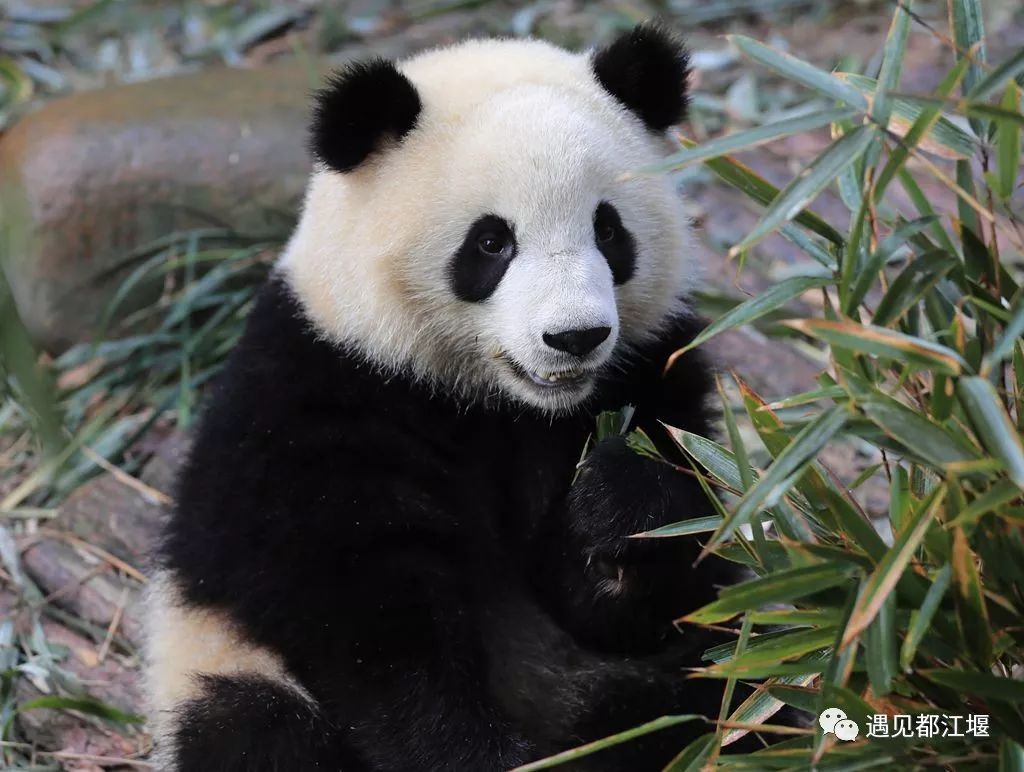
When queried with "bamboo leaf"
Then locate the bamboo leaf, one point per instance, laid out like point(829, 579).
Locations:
point(942, 137)
point(717, 460)
point(684, 528)
point(786, 645)
point(808, 184)
point(791, 68)
point(883, 343)
point(983, 110)
point(599, 745)
point(914, 430)
point(969, 36)
point(921, 619)
point(972, 616)
point(880, 648)
point(890, 569)
point(779, 587)
point(978, 683)
point(1008, 143)
point(694, 756)
point(82, 705)
point(751, 138)
point(35, 384)
point(1010, 336)
point(744, 179)
point(992, 425)
point(920, 275)
point(881, 256)
point(926, 119)
point(751, 310)
point(1011, 756)
point(1003, 492)
point(783, 472)
point(994, 80)
point(893, 53)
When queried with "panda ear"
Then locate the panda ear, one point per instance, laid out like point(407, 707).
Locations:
point(359, 108)
point(646, 70)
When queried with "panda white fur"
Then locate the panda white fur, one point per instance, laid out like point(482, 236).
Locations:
point(383, 555)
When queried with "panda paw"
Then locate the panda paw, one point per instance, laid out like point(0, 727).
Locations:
point(619, 493)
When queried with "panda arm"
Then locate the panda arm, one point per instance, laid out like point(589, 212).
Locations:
point(620, 592)
point(417, 685)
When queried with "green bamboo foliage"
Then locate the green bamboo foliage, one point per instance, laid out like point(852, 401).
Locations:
point(922, 333)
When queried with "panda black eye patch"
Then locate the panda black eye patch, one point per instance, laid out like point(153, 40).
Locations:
point(615, 242)
point(483, 258)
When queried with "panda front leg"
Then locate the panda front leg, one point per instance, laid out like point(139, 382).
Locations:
point(619, 593)
point(246, 722)
point(389, 676)
point(220, 702)
point(409, 670)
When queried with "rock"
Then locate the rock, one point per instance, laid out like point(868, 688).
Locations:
point(87, 586)
point(91, 177)
point(91, 562)
point(161, 471)
point(109, 514)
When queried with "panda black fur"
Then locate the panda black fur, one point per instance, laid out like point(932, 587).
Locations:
point(383, 555)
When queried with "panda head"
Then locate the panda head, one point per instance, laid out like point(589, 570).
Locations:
point(479, 216)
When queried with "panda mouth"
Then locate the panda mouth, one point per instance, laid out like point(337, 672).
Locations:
point(559, 379)
point(567, 379)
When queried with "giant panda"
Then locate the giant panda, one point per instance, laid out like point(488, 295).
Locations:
point(386, 552)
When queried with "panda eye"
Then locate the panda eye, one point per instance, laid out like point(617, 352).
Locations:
point(615, 242)
point(606, 232)
point(492, 244)
point(607, 225)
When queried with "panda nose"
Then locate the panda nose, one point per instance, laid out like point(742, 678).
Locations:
point(578, 342)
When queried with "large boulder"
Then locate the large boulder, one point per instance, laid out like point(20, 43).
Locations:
point(90, 178)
